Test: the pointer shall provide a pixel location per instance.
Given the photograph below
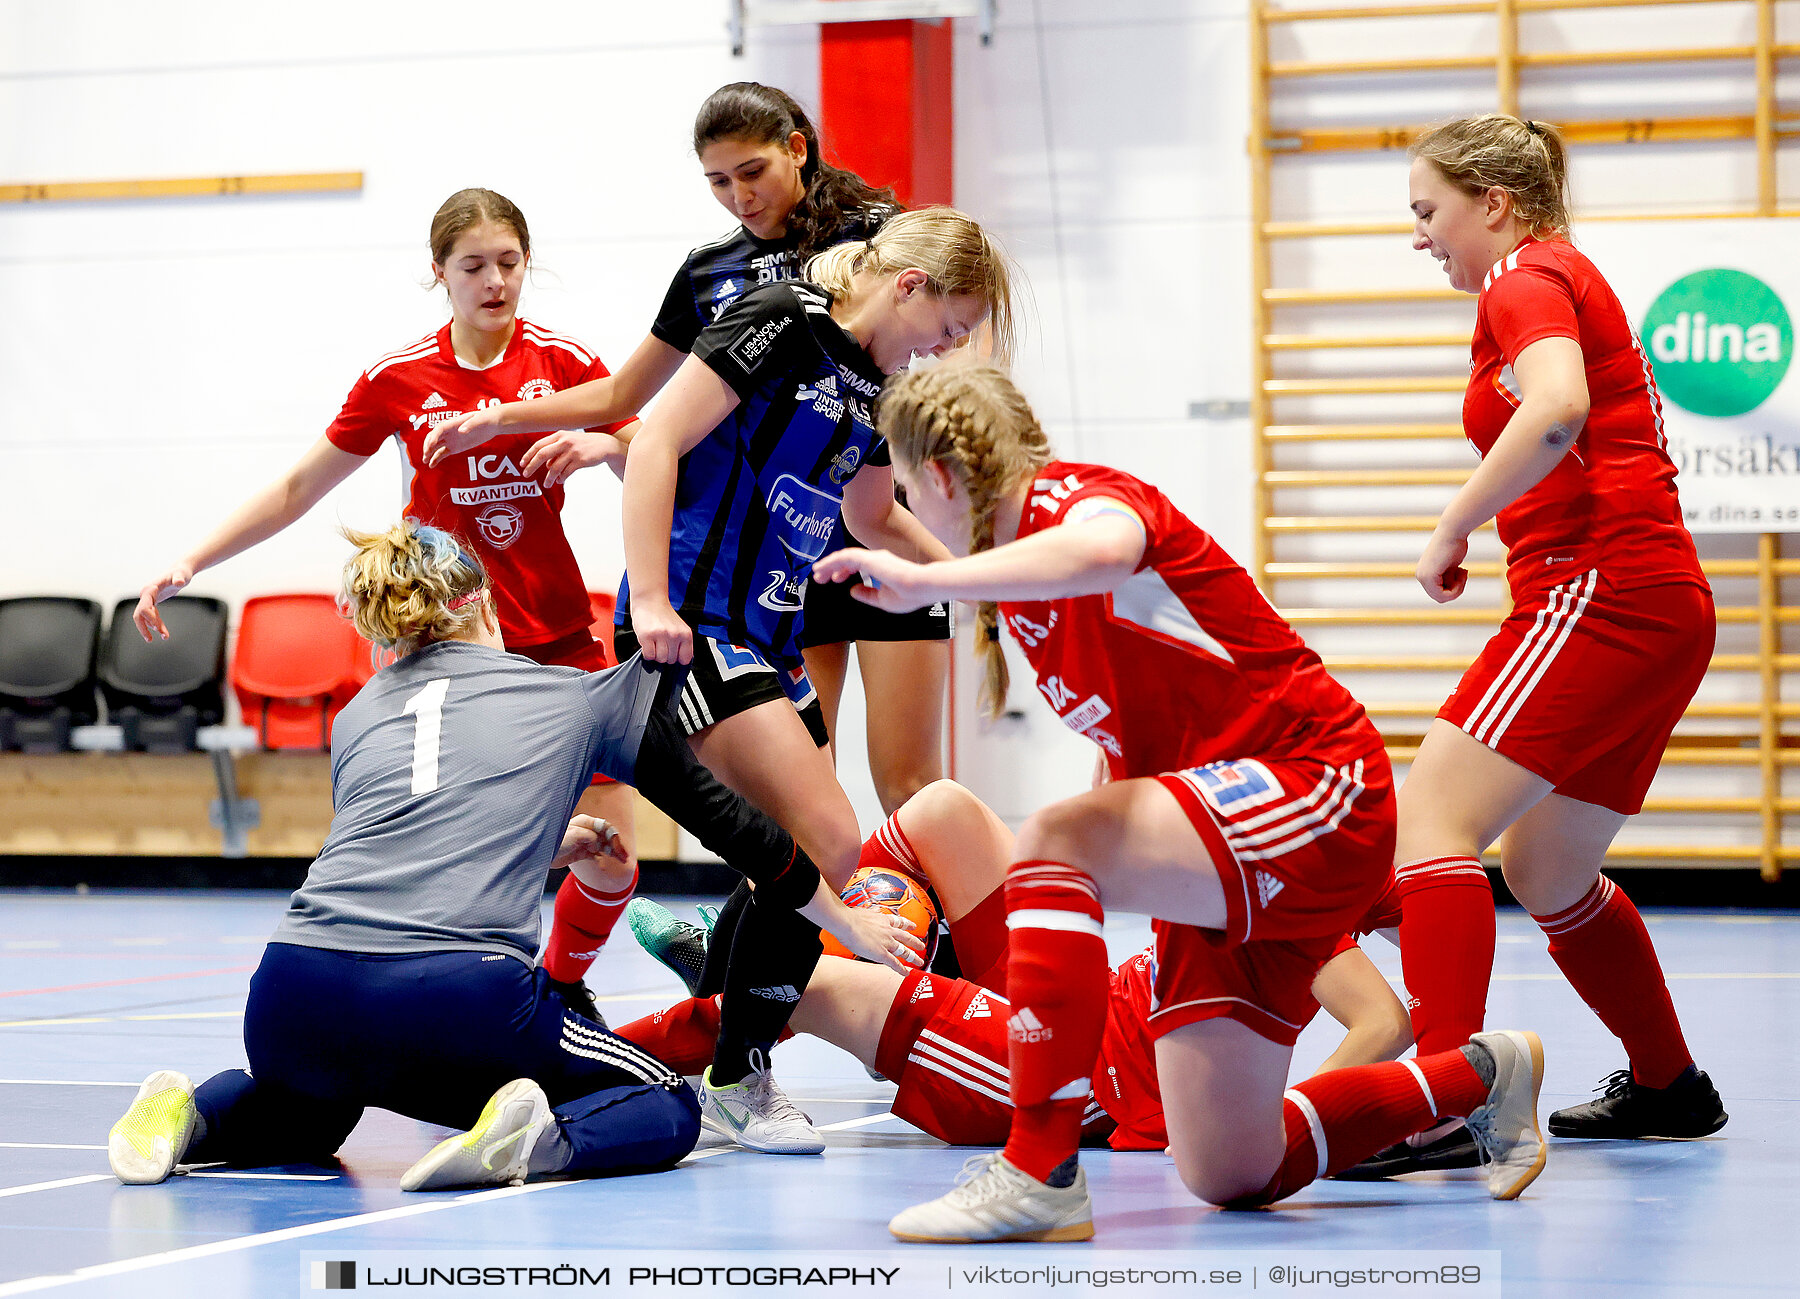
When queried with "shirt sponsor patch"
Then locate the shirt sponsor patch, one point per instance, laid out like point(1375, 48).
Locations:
point(754, 343)
point(498, 492)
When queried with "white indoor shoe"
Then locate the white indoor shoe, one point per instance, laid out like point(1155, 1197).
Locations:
point(995, 1201)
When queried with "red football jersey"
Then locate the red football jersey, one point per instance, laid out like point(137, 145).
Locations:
point(1185, 663)
point(512, 522)
point(1125, 1081)
point(1610, 502)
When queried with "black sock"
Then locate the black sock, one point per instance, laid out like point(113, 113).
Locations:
point(1064, 1173)
point(718, 944)
point(1481, 1060)
point(772, 958)
point(669, 775)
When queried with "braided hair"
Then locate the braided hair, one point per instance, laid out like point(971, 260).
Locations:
point(967, 415)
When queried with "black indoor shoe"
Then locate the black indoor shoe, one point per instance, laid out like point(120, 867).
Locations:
point(1455, 1149)
point(1687, 1107)
point(579, 998)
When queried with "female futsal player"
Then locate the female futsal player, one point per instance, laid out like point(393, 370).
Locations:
point(1250, 814)
point(942, 1041)
point(761, 156)
point(734, 486)
point(486, 354)
point(402, 974)
point(1553, 735)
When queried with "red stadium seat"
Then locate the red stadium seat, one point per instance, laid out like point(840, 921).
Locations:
point(603, 603)
point(297, 662)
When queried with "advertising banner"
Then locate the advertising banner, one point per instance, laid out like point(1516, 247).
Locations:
point(1712, 302)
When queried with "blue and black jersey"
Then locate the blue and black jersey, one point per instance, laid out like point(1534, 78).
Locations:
point(756, 502)
point(716, 275)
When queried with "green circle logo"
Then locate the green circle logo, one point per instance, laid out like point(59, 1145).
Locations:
point(1720, 342)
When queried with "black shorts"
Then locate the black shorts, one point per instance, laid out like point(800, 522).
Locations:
point(725, 680)
point(832, 616)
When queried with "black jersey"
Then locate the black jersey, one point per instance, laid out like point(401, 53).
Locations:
point(756, 501)
point(716, 275)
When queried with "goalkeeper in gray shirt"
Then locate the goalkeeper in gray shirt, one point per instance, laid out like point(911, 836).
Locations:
point(403, 974)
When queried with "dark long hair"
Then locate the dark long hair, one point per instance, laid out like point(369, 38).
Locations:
point(836, 201)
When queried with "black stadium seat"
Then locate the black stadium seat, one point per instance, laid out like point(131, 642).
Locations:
point(161, 693)
point(48, 648)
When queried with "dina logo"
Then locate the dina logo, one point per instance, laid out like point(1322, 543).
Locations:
point(1720, 342)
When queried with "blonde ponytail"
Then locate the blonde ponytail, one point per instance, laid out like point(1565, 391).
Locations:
point(411, 585)
point(950, 247)
point(968, 415)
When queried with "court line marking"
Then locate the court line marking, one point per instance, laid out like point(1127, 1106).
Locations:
point(43, 1145)
point(121, 983)
point(862, 1121)
point(61, 1082)
point(122, 1019)
point(51, 1186)
point(145, 1261)
point(269, 1177)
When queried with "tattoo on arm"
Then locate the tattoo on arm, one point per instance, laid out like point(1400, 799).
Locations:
point(1559, 434)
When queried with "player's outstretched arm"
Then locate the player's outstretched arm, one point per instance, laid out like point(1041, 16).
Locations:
point(323, 467)
point(1084, 558)
point(598, 401)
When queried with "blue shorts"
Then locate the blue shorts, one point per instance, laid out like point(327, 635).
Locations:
point(431, 1036)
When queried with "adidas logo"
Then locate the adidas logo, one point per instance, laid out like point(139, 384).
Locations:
point(782, 992)
point(1267, 886)
point(728, 289)
point(827, 384)
point(434, 402)
point(979, 1008)
point(1027, 1027)
point(922, 991)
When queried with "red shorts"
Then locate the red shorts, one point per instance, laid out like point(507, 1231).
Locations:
point(576, 650)
point(1304, 849)
point(1583, 686)
point(944, 1043)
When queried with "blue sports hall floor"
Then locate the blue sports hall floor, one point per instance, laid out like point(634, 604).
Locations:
point(99, 989)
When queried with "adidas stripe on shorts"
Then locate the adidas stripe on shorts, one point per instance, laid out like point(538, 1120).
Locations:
point(1583, 685)
point(944, 1044)
point(1303, 849)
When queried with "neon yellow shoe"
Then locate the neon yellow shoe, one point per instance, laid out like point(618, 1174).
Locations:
point(155, 1133)
point(496, 1151)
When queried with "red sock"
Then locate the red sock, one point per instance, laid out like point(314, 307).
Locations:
point(583, 919)
point(889, 849)
point(1057, 984)
point(1446, 948)
point(684, 1036)
point(980, 938)
point(1337, 1119)
point(1601, 945)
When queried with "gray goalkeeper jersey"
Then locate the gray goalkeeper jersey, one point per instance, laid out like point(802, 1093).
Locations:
point(453, 776)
